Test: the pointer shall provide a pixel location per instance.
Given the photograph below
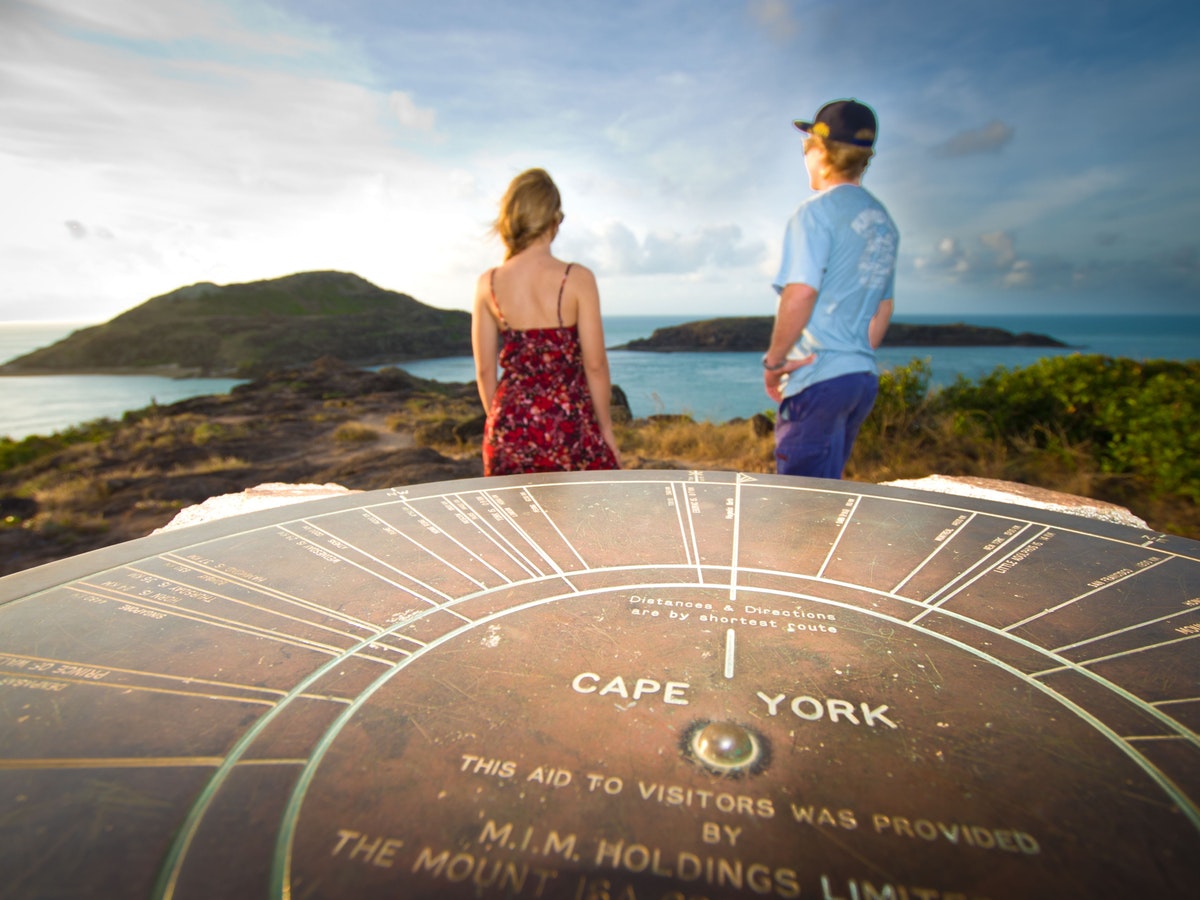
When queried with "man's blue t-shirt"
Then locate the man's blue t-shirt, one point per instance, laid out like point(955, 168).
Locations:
point(842, 243)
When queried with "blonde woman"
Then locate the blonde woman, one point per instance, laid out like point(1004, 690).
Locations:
point(538, 319)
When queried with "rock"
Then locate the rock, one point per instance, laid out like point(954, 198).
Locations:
point(761, 425)
point(1025, 495)
point(16, 508)
point(619, 406)
point(262, 496)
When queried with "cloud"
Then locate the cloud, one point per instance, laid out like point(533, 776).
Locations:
point(1002, 246)
point(408, 114)
point(988, 139)
point(992, 261)
point(776, 18)
point(616, 250)
point(991, 258)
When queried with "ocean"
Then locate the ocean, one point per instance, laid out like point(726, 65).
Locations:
point(714, 386)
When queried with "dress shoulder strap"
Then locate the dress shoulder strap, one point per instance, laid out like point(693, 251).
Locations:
point(560, 293)
point(495, 302)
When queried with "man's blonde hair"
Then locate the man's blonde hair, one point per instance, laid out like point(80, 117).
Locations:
point(530, 207)
point(847, 160)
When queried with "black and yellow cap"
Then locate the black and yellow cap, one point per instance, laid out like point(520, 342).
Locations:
point(845, 121)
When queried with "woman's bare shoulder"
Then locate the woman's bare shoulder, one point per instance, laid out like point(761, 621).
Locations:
point(582, 275)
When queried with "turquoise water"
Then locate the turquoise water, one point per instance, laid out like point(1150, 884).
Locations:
point(722, 386)
point(717, 386)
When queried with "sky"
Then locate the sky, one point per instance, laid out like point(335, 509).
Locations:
point(1038, 156)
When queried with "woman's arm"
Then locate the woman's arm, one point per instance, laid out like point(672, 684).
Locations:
point(595, 357)
point(485, 343)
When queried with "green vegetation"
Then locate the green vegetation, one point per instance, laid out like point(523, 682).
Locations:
point(1110, 429)
point(16, 453)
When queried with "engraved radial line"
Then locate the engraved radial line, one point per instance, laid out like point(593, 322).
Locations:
point(145, 674)
point(521, 531)
point(486, 530)
point(985, 566)
point(134, 762)
point(126, 688)
point(841, 533)
point(1124, 653)
point(928, 559)
point(513, 551)
point(268, 591)
point(683, 531)
point(444, 533)
point(466, 511)
point(730, 648)
point(737, 531)
point(1127, 630)
point(691, 525)
point(416, 543)
point(1054, 609)
point(265, 609)
point(372, 572)
point(530, 490)
point(228, 624)
point(979, 567)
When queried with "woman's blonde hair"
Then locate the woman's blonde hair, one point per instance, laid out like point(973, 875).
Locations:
point(530, 207)
point(846, 160)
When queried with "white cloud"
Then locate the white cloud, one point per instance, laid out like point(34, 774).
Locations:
point(616, 250)
point(410, 115)
point(988, 139)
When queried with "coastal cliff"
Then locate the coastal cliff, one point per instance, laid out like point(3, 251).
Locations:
point(752, 334)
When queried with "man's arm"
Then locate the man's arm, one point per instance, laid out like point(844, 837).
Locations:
point(796, 305)
point(880, 321)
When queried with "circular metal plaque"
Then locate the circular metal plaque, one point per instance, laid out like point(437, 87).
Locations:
point(628, 685)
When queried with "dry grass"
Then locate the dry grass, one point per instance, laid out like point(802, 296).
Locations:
point(729, 446)
point(355, 433)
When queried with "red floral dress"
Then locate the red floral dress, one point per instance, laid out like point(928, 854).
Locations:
point(542, 419)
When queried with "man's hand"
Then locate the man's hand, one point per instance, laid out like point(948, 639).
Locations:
point(773, 378)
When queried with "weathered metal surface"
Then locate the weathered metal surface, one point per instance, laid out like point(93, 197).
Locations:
point(619, 685)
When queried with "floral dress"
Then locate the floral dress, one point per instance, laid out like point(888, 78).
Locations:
point(542, 419)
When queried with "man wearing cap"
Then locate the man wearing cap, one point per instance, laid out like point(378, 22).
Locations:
point(835, 287)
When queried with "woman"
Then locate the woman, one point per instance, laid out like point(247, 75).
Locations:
point(538, 318)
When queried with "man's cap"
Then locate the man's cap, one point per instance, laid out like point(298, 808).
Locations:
point(845, 121)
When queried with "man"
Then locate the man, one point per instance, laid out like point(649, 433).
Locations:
point(835, 287)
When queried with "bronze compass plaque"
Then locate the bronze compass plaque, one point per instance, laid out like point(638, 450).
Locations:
point(630, 685)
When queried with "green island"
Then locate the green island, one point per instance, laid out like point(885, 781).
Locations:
point(1110, 429)
point(752, 334)
point(248, 330)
